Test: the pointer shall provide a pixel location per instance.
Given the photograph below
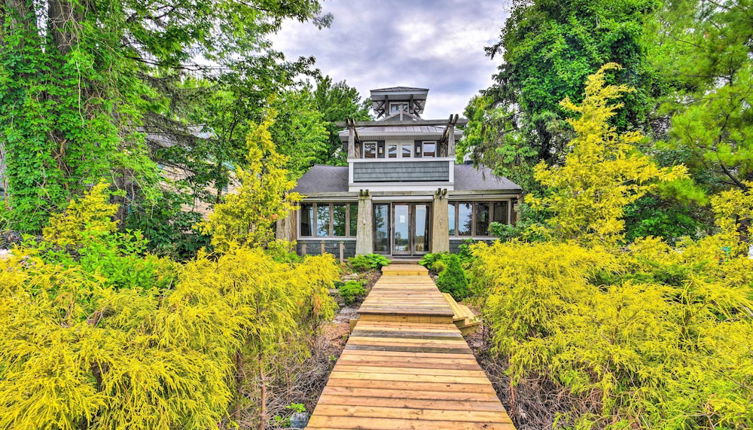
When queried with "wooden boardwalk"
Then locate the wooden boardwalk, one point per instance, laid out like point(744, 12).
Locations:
point(406, 365)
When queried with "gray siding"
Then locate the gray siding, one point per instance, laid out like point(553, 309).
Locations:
point(331, 246)
point(405, 171)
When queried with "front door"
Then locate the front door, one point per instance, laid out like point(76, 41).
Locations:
point(410, 228)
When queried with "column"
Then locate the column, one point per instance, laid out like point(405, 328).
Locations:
point(365, 232)
point(286, 228)
point(440, 233)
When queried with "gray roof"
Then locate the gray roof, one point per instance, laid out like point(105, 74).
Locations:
point(399, 89)
point(324, 179)
point(470, 178)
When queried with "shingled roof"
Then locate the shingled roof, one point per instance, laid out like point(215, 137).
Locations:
point(329, 179)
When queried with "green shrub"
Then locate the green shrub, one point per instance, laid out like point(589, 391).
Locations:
point(366, 262)
point(430, 260)
point(452, 279)
point(351, 291)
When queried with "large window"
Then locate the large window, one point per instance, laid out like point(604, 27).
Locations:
point(328, 219)
point(475, 218)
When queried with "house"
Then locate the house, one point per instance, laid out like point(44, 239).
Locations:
point(402, 194)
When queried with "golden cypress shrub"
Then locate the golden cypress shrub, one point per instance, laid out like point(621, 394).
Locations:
point(79, 350)
point(643, 336)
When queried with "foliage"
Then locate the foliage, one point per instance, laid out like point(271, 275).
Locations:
point(643, 336)
point(665, 218)
point(246, 217)
point(601, 174)
point(95, 334)
point(338, 102)
point(548, 49)
point(299, 131)
point(703, 51)
point(351, 291)
point(366, 262)
point(431, 259)
point(653, 338)
point(452, 278)
point(85, 87)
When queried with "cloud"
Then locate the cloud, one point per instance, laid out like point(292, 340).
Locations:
point(436, 44)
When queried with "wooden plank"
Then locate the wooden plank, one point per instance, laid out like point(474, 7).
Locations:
point(406, 365)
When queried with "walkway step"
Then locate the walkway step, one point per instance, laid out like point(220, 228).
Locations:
point(407, 373)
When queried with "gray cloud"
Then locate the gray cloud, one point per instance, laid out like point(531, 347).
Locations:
point(436, 44)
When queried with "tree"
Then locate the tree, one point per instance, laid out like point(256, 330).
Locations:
point(81, 83)
point(247, 216)
point(338, 102)
point(703, 50)
point(549, 48)
point(602, 173)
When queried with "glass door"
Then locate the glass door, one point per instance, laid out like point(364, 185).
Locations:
point(410, 228)
point(401, 236)
point(420, 229)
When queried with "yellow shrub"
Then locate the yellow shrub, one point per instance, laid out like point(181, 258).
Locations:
point(76, 351)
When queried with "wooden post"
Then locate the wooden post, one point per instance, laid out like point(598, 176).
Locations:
point(323, 248)
point(351, 142)
point(451, 137)
point(303, 248)
point(342, 251)
point(365, 232)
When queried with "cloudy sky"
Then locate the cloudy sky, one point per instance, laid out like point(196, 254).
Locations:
point(435, 44)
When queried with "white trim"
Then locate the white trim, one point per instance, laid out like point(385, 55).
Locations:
point(403, 198)
point(399, 186)
point(401, 159)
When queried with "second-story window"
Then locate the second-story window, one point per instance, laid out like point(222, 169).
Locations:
point(369, 150)
point(398, 107)
point(392, 151)
point(429, 148)
point(407, 150)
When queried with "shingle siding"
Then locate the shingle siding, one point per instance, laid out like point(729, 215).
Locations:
point(419, 171)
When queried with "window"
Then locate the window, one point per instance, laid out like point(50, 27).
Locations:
point(475, 218)
point(307, 219)
point(339, 219)
point(500, 212)
point(382, 228)
point(419, 150)
point(451, 218)
point(353, 219)
point(380, 149)
point(429, 149)
point(482, 218)
point(465, 219)
point(392, 151)
point(328, 219)
point(397, 107)
point(407, 151)
point(322, 221)
point(369, 150)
